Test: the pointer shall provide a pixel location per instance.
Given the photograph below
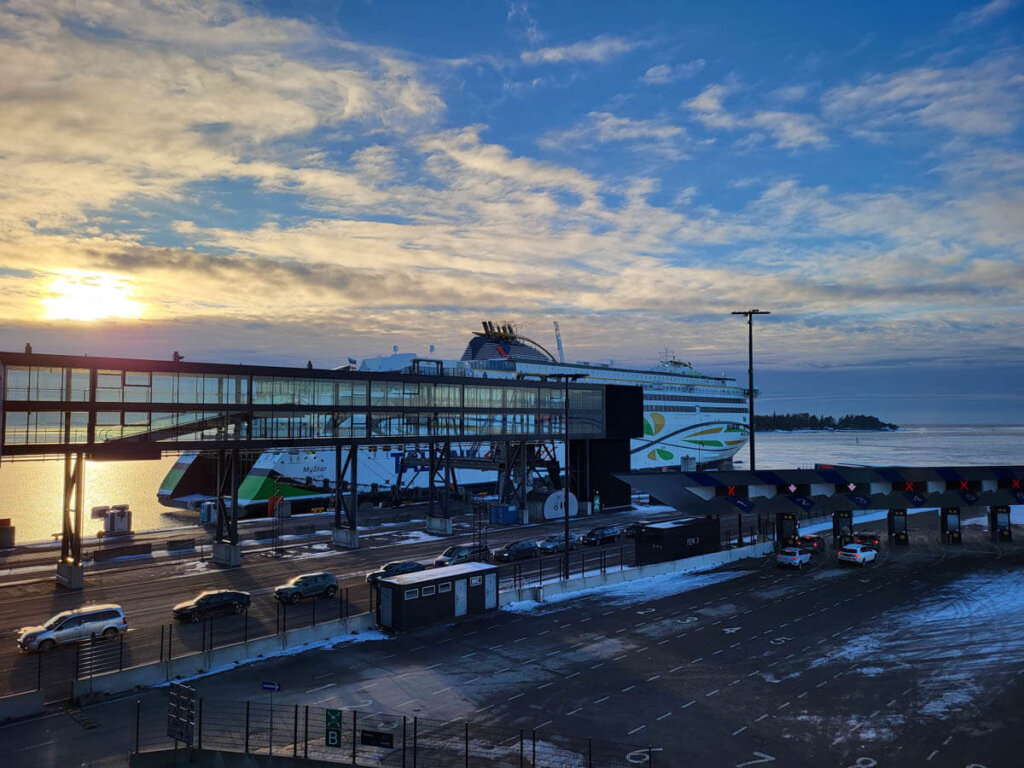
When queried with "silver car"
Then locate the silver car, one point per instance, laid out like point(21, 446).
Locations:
point(86, 623)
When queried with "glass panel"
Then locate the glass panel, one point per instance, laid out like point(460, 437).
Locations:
point(79, 385)
point(49, 384)
point(16, 426)
point(16, 381)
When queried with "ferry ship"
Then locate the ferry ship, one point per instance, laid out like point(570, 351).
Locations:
point(691, 420)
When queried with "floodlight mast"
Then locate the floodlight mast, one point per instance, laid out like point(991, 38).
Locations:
point(750, 375)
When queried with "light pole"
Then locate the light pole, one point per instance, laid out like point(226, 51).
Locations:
point(565, 485)
point(750, 374)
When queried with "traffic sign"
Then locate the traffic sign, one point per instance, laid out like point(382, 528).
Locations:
point(270, 685)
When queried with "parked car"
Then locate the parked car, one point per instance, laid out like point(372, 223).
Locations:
point(395, 569)
point(867, 537)
point(634, 528)
point(601, 535)
point(463, 553)
point(212, 602)
point(86, 623)
point(794, 557)
point(813, 544)
point(307, 585)
point(516, 550)
point(556, 543)
point(860, 554)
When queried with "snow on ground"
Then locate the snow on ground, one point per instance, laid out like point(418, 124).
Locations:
point(363, 637)
point(630, 592)
point(960, 640)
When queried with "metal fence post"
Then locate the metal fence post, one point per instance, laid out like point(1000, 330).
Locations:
point(78, 661)
point(138, 721)
point(354, 716)
point(120, 655)
point(415, 736)
point(247, 727)
point(534, 736)
point(295, 732)
point(590, 753)
point(245, 625)
point(404, 726)
point(305, 734)
point(467, 744)
point(314, 611)
point(200, 723)
point(39, 672)
point(522, 748)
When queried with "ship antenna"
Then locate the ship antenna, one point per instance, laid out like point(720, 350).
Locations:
point(558, 340)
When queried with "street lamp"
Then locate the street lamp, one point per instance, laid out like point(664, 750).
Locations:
point(750, 374)
point(565, 485)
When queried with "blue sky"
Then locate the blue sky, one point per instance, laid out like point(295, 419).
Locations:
point(276, 182)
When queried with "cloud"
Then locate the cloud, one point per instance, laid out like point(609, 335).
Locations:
point(662, 74)
point(790, 130)
point(601, 49)
point(708, 107)
point(982, 14)
point(651, 136)
point(93, 118)
point(978, 99)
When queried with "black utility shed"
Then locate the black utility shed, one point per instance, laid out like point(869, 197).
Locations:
point(415, 600)
point(676, 539)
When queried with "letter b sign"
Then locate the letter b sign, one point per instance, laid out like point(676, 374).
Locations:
point(333, 738)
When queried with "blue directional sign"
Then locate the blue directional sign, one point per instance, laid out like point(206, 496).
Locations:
point(270, 685)
point(859, 499)
point(801, 501)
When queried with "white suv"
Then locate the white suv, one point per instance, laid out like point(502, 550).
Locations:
point(861, 554)
point(86, 623)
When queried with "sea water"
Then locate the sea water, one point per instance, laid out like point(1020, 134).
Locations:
point(31, 491)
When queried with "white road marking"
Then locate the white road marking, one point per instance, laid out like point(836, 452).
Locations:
point(638, 728)
point(662, 717)
point(699, 658)
point(628, 688)
point(602, 699)
point(712, 693)
point(653, 678)
point(933, 754)
point(513, 698)
point(803, 694)
point(573, 712)
point(441, 691)
point(738, 731)
point(321, 687)
point(762, 717)
point(692, 701)
point(542, 687)
point(675, 669)
point(783, 706)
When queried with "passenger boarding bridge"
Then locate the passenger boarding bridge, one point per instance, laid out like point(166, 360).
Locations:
point(80, 407)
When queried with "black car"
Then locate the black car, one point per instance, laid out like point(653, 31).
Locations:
point(516, 550)
point(213, 602)
point(813, 544)
point(602, 535)
point(556, 543)
point(307, 585)
point(634, 528)
point(867, 537)
point(395, 569)
point(463, 553)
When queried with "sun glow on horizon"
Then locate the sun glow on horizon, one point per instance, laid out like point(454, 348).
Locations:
point(91, 296)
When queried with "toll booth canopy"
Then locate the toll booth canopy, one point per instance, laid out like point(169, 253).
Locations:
point(414, 600)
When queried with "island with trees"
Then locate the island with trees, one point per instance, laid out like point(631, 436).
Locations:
point(788, 422)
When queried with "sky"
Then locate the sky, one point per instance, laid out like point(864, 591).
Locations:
point(272, 182)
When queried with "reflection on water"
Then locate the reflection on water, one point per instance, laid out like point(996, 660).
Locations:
point(31, 491)
point(31, 494)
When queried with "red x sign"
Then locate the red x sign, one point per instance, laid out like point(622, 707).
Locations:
point(731, 490)
point(909, 485)
point(963, 485)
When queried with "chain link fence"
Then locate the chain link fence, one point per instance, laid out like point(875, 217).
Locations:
point(351, 737)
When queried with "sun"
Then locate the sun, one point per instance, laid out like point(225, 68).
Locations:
point(90, 296)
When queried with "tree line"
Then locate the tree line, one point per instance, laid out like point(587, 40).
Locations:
point(791, 421)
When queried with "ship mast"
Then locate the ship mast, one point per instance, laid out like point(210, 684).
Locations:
point(558, 340)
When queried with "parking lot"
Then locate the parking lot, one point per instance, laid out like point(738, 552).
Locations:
point(914, 660)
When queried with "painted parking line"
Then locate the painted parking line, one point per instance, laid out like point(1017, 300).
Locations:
point(675, 669)
point(542, 687)
point(516, 696)
point(653, 678)
point(628, 688)
point(783, 706)
point(662, 717)
point(738, 731)
point(602, 699)
point(712, 693)
point(699, 658)
point(689, 703)
point(435, 693)
point(762, 717)
point(574, 711)
point(638, 728)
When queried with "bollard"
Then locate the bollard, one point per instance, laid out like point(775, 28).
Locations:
point(138, 721)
